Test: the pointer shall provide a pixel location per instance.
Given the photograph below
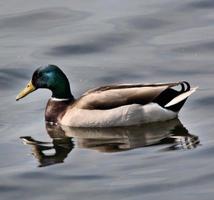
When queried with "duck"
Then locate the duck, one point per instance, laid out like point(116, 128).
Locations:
point(115, 105)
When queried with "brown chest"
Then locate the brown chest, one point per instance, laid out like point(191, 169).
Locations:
point(55, 109)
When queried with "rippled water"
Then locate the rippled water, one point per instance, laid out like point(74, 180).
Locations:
point(97, 43)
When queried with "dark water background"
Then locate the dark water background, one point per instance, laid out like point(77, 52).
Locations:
point(97, 43)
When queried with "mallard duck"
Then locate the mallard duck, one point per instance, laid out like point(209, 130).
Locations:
point(107, 106)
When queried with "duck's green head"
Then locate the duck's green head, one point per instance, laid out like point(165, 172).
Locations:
point(50, 77)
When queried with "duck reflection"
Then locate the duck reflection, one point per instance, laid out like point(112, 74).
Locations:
point(172, 134)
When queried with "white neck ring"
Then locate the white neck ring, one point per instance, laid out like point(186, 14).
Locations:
point(57, 99)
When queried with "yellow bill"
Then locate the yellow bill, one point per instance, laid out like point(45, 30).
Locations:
point(28, 89)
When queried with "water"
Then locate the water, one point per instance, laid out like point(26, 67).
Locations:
point(98, 43)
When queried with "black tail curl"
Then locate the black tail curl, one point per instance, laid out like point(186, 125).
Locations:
point(185, 86)
point(167, 95)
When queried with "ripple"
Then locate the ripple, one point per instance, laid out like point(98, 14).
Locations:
point(39, 175)
point(140, 22)
point(189, 35)
point(203, 47)
point(205, 101)
point(9, 77)
point(94, 45)
point(42, 19)
point(115, 76)
point(163, 186)
point(184, 72)
point(8, 188)
point(202, 4)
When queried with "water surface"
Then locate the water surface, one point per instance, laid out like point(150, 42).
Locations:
point(97, 43)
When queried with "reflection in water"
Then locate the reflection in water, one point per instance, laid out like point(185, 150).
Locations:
point(61, 147)
point(171, 133)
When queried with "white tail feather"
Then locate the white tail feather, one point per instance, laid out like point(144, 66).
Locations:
point(181, 97)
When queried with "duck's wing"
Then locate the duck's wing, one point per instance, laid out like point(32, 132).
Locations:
point(130, 86)
point(112, 96)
